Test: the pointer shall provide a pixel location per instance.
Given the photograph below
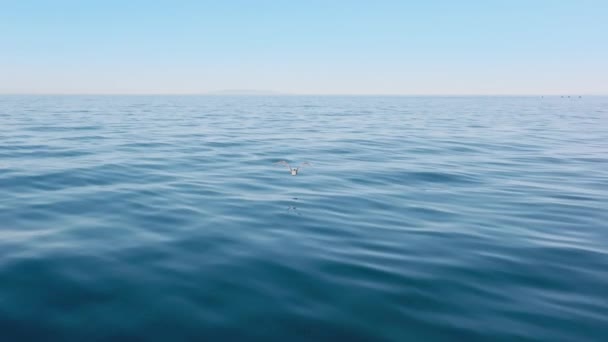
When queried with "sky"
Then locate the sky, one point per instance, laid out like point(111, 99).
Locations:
point(434, 47)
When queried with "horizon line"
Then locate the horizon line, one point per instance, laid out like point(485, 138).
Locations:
point(215, 94)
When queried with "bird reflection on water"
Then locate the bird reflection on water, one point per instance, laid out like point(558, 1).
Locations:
point(292, 209)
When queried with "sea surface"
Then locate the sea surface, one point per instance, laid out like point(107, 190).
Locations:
point(419, 219)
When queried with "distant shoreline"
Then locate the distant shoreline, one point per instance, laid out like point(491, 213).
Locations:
point(212, 94)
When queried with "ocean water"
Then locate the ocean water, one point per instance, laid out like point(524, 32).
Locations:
point(420, 218)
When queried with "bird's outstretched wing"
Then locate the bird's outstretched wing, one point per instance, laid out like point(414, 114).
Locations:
point(304, 164)
point(282, 162)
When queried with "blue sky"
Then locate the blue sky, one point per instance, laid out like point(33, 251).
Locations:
point(311, 47)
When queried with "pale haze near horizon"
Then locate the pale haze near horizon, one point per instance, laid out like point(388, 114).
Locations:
point(311, 47)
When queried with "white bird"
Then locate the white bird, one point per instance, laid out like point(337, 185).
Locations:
point(293, 170)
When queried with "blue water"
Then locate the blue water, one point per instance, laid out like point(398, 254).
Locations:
point(165, 218)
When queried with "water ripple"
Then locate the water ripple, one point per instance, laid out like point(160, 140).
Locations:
point(165, 218)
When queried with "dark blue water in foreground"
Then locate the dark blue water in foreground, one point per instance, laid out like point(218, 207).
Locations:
point(164, 218)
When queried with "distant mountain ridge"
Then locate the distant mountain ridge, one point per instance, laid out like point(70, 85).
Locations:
point(245, 92)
